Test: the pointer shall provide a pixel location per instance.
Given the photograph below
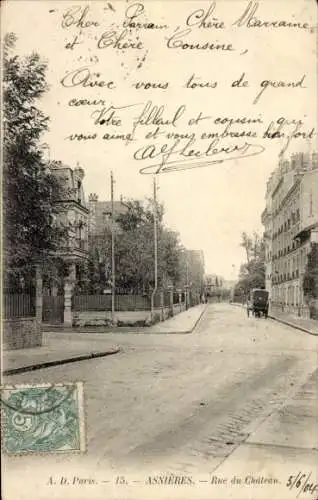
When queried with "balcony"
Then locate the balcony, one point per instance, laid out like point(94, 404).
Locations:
point(77, 249)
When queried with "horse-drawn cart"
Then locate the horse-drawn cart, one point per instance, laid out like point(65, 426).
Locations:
point(257, 303)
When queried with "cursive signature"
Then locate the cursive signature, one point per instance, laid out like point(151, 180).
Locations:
point(190, 156)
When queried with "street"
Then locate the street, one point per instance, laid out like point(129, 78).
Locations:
point(191, 404)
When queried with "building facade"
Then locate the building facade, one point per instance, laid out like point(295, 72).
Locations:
point(213, 284)
point(290, 220)
point(196, 266)
point(73, 213)
point(73, 251)
point(100, 214)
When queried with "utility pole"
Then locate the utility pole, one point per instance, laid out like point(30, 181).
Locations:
point(155, 243)
point(187, 282)
point(155, 229)
point(113, 245)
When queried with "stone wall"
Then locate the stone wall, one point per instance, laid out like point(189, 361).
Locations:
point(143, 318)
point(21, 333)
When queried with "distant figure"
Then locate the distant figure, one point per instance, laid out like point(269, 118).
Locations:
point(249, 307)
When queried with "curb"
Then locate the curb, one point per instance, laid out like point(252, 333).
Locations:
point(183, 332)
point(199, 318)
point(141, 330)
point(47, 364)
point(293, 325)
point(287, 323)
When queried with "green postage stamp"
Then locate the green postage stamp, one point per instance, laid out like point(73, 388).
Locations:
point(42, 418)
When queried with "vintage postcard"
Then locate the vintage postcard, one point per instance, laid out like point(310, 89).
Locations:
point(159, 278)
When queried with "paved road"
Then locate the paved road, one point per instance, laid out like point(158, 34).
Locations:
point(186, 403)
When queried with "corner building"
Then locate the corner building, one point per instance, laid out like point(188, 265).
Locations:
point(291, 225)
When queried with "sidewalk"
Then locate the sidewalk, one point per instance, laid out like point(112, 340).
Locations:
point(306, 325)
point(283, 445)
point(52, 354)
point(59, 352)
point(184, 322)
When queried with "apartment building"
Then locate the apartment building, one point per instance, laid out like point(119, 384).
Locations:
point(290, 220)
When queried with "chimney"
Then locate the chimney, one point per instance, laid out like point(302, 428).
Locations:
point(93, 198)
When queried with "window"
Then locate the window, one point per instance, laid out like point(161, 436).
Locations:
point(79, 187)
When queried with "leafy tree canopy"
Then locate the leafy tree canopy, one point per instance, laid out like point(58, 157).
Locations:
point(252, 273)
point(310, 280)
point(134, 251)
point(30, 191)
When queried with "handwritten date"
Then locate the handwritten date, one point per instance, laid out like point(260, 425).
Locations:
point(302, 482)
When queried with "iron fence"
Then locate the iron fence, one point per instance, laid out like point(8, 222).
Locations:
point(18, 305)
point(104, 303)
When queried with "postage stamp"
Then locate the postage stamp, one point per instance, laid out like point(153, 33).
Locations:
point(42, 418)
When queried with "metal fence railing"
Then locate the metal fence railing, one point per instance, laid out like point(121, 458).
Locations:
point(104, 303)
point(17, 305)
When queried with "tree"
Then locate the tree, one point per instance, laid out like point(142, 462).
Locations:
point(135, 248)
point(134, 251)
point(252, 273)
point(169, 257)
point(310, 281)
point(138, 214)
point(247, 244)
point(30, 192)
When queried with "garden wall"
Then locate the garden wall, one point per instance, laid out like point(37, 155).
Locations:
point(21, 333)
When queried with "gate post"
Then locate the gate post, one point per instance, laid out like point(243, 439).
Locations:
point(162, 306)
point(68, 293)
point(38, 293)
point(171, 300)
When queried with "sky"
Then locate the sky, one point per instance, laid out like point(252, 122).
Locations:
point(210, 207)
